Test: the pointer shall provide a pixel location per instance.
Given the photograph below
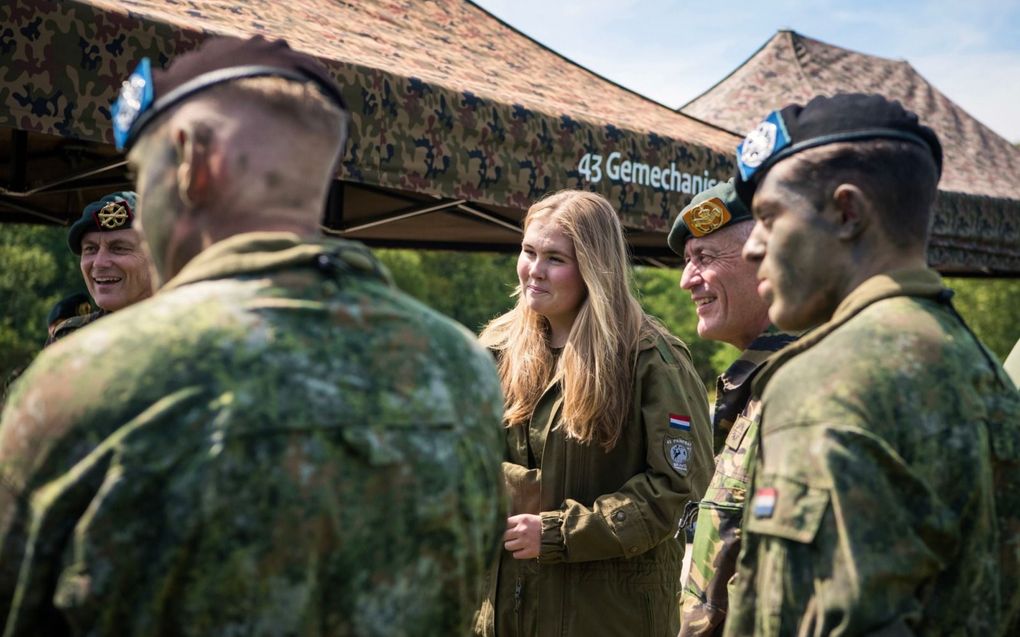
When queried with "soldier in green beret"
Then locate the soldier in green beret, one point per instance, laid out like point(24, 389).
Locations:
point(113, 261)
point(709, 234)
point(75, 305)
point(279, 442)
point(886, 498)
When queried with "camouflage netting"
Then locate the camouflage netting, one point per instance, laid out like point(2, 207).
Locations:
point(447, 100)
point(451, 104)
point(977, 216)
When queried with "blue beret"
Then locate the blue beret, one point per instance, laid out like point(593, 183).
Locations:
point(148, 92)
point(844, 117)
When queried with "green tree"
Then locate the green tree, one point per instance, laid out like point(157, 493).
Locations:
point(992, 308)
point(36, 271)
point(472, 288)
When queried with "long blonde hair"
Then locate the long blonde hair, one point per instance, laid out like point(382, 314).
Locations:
point(596, 366)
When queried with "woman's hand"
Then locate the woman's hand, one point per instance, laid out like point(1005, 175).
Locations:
point(523, 536)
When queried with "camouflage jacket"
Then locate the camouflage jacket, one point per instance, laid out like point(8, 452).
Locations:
point(609, 564)
point(717, 535)
point(71, 325)
point(886, 496)
point(278, 443)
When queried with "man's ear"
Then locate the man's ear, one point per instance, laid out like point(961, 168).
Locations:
point(853, 211)
point(196, 149)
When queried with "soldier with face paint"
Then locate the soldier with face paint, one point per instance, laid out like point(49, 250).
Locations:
point(279, 442)
point(709, 234)
point(885, 495)
point(114, 264)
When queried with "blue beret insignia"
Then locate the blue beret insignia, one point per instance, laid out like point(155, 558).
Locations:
point(764, 141)
point(136, 96)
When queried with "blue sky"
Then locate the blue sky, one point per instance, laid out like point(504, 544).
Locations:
point(672, 51)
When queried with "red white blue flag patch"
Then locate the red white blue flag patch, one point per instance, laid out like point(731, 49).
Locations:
point(764, 502)
point(683, 423)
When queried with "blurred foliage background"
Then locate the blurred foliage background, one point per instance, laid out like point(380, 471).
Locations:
point(37, 270)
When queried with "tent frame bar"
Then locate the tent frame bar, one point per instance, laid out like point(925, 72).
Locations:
point(406, 213)
point(54, 186)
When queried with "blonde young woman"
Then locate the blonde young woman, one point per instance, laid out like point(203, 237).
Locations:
point(607, 438)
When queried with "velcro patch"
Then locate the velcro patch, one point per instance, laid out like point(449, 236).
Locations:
point(683, 423)
point(764, 502)
point(678, 454)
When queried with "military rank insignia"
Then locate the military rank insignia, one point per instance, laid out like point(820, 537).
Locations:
point(764, 503)
point(678, 453)
point(706, 217)
point(113, 216)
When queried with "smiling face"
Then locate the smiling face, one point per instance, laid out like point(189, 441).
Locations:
point(115, 268)
point(722, 286)
point(551, 282)
point(802, 266)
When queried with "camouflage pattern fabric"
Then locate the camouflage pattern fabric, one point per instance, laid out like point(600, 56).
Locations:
point(278, 443)
point(717, 535)
point(886, 497)
point(70, 325)
point(424, 117)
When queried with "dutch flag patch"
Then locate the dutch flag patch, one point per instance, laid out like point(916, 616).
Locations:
point(764, 502)
point(683, 423)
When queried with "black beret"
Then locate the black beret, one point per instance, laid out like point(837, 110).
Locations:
point(148, 92)
point(115, 211)
point(77, 304)
point(844, 117)
point(709, 211)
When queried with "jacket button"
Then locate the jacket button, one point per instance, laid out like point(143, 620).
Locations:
point(619, 516)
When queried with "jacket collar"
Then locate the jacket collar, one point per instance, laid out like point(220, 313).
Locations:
point(254, 252)
point(919, 282)
point(732, 388)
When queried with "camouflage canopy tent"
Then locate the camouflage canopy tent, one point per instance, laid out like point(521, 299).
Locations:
point(977, 217)
point(459, 121)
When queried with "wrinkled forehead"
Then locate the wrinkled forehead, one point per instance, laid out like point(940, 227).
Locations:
point(730, 237)
point(109, 237)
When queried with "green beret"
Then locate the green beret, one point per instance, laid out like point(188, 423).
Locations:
point(710, 210)
point(77, 304)
point(115, 211)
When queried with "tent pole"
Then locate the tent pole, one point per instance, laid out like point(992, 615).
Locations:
point(20, 207)
point(491, 218)
point(60, 182)
point(19, 158)
point(384, 219)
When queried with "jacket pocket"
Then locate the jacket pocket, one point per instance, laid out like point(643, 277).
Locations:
point(786, 508)
point(782, 523)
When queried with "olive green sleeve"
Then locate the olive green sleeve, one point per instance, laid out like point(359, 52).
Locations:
point(678, 465)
